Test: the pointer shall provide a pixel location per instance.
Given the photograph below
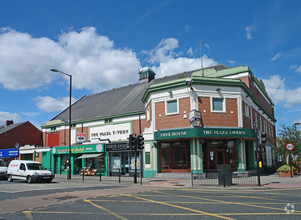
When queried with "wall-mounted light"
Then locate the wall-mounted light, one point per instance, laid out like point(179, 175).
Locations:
point(189, 84)
point(170, 93)
point(218, 89)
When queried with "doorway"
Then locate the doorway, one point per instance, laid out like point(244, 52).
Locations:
point(219, 152)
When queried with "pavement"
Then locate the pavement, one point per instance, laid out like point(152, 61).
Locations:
point(168, 181)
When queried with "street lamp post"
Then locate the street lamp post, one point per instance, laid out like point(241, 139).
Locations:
point(295, 125)
point(69, 163)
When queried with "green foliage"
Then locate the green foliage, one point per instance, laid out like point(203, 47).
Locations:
point(288, 134)
point(285, 168)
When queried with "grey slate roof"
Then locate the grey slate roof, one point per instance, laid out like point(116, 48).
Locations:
point(119, 101)
point(4, 129)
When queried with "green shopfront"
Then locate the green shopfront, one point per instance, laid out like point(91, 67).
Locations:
point(199, 150)
point(90, 157)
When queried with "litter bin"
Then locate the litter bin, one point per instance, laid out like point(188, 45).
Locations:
point(224, 175)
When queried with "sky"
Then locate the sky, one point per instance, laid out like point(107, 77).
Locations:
point(102, 44)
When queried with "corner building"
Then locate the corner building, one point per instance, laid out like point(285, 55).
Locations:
point(191, 122)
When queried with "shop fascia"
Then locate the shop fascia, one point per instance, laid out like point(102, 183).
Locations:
point(205, 133)
point(78, 149)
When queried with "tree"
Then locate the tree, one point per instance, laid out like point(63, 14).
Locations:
point(288, 134)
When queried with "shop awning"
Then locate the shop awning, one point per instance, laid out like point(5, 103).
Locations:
point(89, 156)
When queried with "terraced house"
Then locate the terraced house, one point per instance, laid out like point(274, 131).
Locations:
point(191, 121)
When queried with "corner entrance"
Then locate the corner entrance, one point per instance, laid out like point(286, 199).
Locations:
point(175, 156)
point(219, 152)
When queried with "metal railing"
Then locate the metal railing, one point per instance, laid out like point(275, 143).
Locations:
point(116, 177)
point(225, 179)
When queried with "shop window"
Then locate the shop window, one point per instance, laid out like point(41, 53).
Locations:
point(147, 157)
point(64, 164)
point(217, 105)
point(172, 107)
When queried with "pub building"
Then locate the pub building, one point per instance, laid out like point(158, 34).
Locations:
point(191, 122)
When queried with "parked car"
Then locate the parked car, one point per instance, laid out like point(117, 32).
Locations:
point(3, 169)
point(30, 171)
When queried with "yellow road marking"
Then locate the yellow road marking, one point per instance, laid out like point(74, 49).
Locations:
point(162, 214)
point(28, 215)
point(225, 202)
point(106, 210)
point(255, 203)
point(179, 207)
point(242, 190)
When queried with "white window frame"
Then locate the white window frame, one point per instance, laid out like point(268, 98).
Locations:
point(166, 107)
point(148, 113)
point(218, 111)
point(247, 110)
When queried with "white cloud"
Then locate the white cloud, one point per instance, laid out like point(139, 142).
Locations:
point(190, 51)
point(181, 64)
point(275, 87)
point(9, 116)
point(296, 68)
point(169, 61)
point(207, 46)
point(276, 57)
point(249, 30)
point(164, 51)
point(90, 58)
point(232, 62)
point(50, 104)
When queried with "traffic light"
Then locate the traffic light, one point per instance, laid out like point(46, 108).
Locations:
point(132, 142)
point(263, 137)
point(140, 140)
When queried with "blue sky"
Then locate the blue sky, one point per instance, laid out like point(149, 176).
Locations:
point(103, 43)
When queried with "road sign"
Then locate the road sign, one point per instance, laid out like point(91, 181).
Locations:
point(289, 146)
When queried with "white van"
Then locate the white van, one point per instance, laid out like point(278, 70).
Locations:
point(30, 171)
point(3, 169)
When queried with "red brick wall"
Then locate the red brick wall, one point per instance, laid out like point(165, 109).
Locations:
point(172, 121)
point(246, 80)
point(23, 134)
point(258, 96)
point(135, 126)
point(227, 119)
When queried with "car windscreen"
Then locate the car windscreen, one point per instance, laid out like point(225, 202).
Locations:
point(35, 166)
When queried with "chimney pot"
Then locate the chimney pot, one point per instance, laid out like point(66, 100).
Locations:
point(9, 122)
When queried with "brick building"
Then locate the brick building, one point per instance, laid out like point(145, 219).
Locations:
point(23, 133)
point(191, 121)
point(12, 136)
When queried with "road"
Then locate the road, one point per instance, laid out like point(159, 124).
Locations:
point(145, 202)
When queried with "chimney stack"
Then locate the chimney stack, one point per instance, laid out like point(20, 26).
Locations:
point(9, 122)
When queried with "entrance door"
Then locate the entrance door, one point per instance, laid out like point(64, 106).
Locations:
point(221, 152)
point(125, 167)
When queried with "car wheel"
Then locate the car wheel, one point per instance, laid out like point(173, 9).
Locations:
point(29, 180)
point(9, 178)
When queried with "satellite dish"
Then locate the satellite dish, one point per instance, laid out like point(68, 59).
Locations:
point(17, 145)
